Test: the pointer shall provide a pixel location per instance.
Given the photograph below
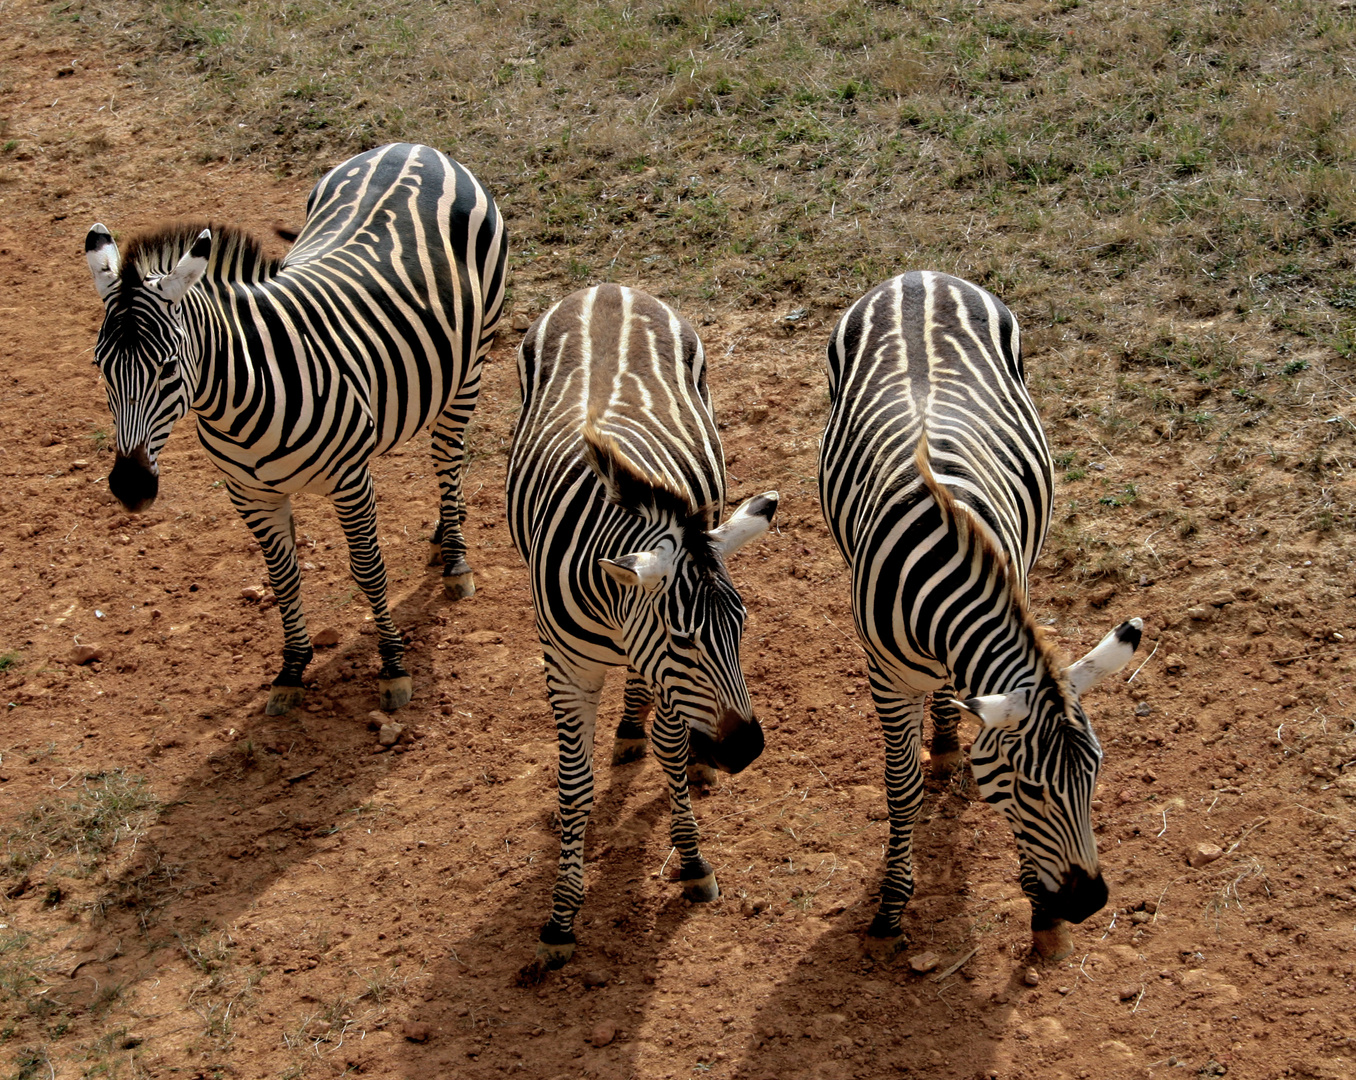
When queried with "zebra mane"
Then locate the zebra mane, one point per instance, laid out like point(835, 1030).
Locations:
point(235, 256)
point(985, 546)
point(631, 487)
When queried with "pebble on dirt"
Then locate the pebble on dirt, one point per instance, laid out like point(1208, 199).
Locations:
point(1203, 854)
point(1031, 977)
point(603, 1033)
point(86, 654)
point(416, 1031)
point(390, 733)
point(326, 638)
point(252, 592)
point(924, 961)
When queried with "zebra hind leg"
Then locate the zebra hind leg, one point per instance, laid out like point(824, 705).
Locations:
point(948, 760)
point(358, 516)
point(270, 520)
point(630, 743)
point(448, 457)
point(698, 877)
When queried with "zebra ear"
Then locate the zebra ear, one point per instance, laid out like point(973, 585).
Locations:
point(643, 569)
point(747, 523)
point(101, 252)
point(174, 286)
point(1110, 654)
point(1000, 710)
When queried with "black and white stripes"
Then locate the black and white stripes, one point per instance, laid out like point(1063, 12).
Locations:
point(935, 481)
point(616, 489)
point(300, 371)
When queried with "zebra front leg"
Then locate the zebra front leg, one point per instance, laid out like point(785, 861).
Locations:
point(670, 737)
point(269, 518)
point(574, 700)
point(449, 545)
point(357, 508)
point(901, 717)
point(630, 743)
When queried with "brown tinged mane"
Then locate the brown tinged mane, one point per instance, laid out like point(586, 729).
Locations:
point(236, 255)
point(980, 538)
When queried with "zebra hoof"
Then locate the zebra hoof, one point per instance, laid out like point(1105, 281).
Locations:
point(701, 890)
point(624, 750)
point(946, 765)
point(700, 775)
point(554, 955)
point(395, 692)
point(882, 948)
point(1055, 943)
point(283, 699)
point(459, 586)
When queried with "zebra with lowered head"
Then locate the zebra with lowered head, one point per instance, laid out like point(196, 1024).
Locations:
point(616, 490)
point(936, 480)
point(301, 370)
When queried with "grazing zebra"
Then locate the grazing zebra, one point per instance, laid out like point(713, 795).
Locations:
point(301, 370)
point(616, 487)
point(935, 480)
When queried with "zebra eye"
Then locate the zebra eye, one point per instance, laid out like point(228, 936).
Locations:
point(169, 368)
point(683, 641)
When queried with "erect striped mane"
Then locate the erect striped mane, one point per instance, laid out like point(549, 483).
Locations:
point(236, 255)
point(632, 488)
point(977, 535)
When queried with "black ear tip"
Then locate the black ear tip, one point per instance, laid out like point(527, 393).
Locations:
point(766, 504)
point(202, 246)
point(1130, 632)
point(971, 704)
point(97, 237)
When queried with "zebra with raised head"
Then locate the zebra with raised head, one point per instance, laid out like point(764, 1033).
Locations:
point(300, 371)
point(936, 481)
point(616, 490)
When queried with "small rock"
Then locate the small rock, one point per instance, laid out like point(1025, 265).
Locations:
point(79, 463)
point(25, 530)
point(1149, 776)
point(520, 321)
point(603, 1033)
point(1201, 613)
point(1174, 664)
point(252, 592)
point(1125, 796)
point(86, 654)
point(1143, 708)
point(1031, 977)
point(1203, 854)
point(1257, 626)
point(1127, 992)
point(594, 978)
point(1221, 598)
point(416, 1030)
point(390, 733)
point(924, 961)
point(326, 638)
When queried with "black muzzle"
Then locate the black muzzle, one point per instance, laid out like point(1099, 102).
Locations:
point(134, 481)
point(1079, 897)
point(740, 744)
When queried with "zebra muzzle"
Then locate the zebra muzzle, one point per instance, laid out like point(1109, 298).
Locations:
point(1080, 896)
point(739, 744)
point(134, 481)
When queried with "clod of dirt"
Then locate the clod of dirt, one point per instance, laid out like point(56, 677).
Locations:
point(594, 978)
point(1128, 992)
point(924, 961)
point(390, 733)
point(1203, 854)
point(603, 1033)
point(416, 1030)
point(86, 654)
point(1031, 977)
point(326, 638)
point(1174, 664)
point(750, 908)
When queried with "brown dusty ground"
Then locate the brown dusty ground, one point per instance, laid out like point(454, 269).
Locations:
point(302, 903)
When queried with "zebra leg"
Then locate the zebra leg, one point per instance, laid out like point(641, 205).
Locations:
point(449, 545)
point(669, 735)
point(946, 751)
point(269, 518)
point(630, 743)
point(1052, 937)
point(357, 508)
point(574, 700)
point(901, 717)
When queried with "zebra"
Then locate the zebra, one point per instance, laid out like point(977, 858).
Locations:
point(615, 493)
point(301, 370)
point(935, 480)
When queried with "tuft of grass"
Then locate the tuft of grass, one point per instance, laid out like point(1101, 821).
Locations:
point(9, 659)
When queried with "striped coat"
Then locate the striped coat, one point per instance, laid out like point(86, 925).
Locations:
point(300, 371)
point(616, 494)
point(936, 483)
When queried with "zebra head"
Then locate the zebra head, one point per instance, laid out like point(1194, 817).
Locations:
point(1036, 760)
point(141, 343)
point(686, 619)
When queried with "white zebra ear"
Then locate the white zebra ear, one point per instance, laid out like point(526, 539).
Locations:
point(999, 710)
point(174, 286)
point(643, 569)
point(1107, 657)
point(749, 522)
point(101, 252)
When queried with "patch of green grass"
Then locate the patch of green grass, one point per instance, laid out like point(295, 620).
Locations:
point(9, 659)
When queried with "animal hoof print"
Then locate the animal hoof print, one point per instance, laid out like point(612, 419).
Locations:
point(459, 586)
point(625, 750)
point(395, 692)
point(554, 956)
point(1055, 943)
point(701, 890)
point(283, 699)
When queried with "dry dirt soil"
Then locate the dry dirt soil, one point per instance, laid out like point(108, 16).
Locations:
point(298, 901)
